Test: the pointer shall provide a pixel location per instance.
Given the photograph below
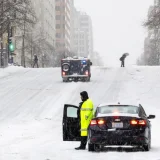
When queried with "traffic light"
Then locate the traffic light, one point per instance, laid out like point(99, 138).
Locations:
point(11, 46)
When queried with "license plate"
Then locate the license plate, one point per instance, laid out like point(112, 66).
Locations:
point(117, 125)
point(75, 73)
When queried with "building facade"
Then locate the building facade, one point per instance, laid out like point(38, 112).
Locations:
point(80, 43)
point(45, 12)
point(63, 27)
point(86, 25)
point(83, 38)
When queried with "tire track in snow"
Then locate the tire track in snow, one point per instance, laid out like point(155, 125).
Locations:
point(73, 97)
point(48, 140)
point(110, 93)
point(15, 93)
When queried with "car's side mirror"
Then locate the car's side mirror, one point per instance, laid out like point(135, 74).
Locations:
point(151, 117)
point(91, 63)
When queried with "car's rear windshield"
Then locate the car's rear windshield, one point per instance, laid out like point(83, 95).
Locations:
point(118, 108)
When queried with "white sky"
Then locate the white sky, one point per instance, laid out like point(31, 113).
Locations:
point(117, 27)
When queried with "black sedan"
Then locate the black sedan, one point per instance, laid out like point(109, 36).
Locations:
point(114, 124)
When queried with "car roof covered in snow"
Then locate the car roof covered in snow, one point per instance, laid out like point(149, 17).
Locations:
point(76, 58)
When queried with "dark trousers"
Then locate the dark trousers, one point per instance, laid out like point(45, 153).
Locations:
point(122, 63)
point(35, 63)
point(83, 141)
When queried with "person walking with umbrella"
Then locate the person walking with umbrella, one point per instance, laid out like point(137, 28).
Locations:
point(122, 59)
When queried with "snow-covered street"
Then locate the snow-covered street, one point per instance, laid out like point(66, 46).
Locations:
point(31, 108)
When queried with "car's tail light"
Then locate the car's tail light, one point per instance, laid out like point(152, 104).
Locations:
point(63, 73)
point(134, 122)
point(101, 121)
point(142, 122)
point(86, 73)
point(97, 122)
point(116, 117)
point(138, 122)
point(93, 122)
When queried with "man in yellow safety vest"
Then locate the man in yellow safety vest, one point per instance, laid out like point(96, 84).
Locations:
point(85, 115)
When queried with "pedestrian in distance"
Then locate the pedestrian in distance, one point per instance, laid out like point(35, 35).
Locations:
point(35, 61)
point(122, 59)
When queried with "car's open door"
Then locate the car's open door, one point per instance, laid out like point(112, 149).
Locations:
point(71, 123)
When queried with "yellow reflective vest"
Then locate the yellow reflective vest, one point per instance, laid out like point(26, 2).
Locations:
point(86, 115)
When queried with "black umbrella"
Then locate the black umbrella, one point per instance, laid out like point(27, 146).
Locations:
point(125, 54)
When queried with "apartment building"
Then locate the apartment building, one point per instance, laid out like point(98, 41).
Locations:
point(63, 27)
point(80, 43)
point(45, 12)
point(86, 25)
point(83, 36)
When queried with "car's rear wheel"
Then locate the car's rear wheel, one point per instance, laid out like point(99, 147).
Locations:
point(75, 79)
point(87, 79)
point(93, 147)
point(65, 80)
point(146, 147)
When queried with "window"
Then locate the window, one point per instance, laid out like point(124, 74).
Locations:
point(58, 44)
point(58, 17)
point(85, 24)
point(58, 8)
point(58, 35)
point(72, 112)
point(120, 109)
point(58, 26)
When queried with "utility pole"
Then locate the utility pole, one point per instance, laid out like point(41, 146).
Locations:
point(2, 36)
point(8, 38)
point(23, 43)
point(31, 48)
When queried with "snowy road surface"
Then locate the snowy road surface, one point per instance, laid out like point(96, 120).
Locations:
point(31, 107)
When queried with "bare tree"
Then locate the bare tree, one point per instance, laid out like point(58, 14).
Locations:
point(153, 21)
point(152, 47)
point(16, 11)
point(36, 43)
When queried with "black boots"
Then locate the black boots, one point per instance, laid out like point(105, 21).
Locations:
point(80, 148)
point(83, 143)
